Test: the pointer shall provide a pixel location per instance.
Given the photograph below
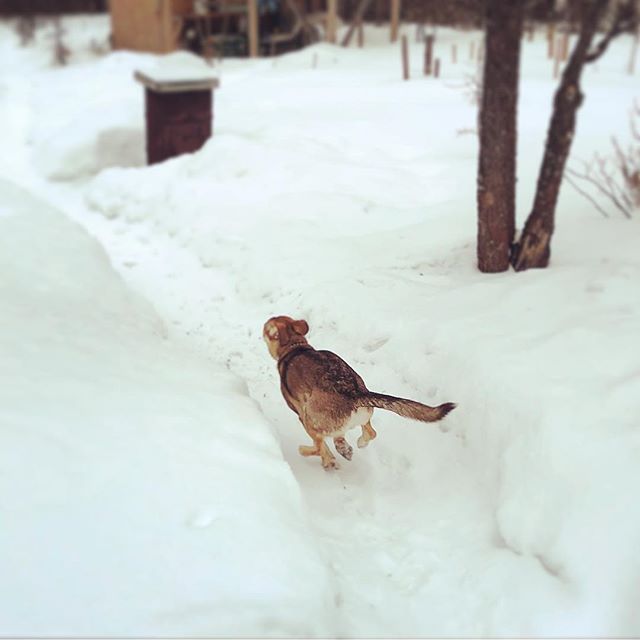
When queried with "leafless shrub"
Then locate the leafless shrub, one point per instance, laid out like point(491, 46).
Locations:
point(472, 86)
point(99, 47)
point(26, 29)
point(61, 52)
point(614, 178)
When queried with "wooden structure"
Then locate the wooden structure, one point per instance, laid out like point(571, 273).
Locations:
point(179, 113)
point(147, 25)
point(162, 26)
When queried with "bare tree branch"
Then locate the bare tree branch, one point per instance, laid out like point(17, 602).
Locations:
point(604, 184)
point(626, 18)
point(583, 193)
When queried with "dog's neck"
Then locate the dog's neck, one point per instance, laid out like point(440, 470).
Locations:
point(283, 352)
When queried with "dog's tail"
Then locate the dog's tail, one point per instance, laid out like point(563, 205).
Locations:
point(407, 408)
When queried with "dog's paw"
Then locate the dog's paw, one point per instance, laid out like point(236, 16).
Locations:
point(330, 465)
point(344, 448)
point(363, 442)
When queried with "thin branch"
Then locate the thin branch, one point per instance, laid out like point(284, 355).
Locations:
point(607, 193)
point(622, 162)
point(625, 19)
point(583, 193)
point(635, 112)
point(616, 192)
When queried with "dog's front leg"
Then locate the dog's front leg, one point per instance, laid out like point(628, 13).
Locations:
point(319, 448)
point(328, 459)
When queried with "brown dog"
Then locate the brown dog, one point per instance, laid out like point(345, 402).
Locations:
point(328, 395)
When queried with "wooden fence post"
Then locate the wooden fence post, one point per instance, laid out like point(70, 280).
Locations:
point(405, 58)
point(395, 19)
point(551, 36)
point(332, 20)
point(557, 57)
point(634, 53)
point(565, 44)
point(428, 55)
point(252, 8)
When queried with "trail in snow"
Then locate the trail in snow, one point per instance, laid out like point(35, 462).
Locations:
point(403, 526)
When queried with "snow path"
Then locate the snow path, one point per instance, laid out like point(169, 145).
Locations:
point(392, 565)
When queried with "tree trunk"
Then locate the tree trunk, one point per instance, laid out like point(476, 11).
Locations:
point(498, 135)
point(534, 248)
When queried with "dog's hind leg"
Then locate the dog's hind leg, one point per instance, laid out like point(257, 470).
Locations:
point(343, 447)
point(368, 434)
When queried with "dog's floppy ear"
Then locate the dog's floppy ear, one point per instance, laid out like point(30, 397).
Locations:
point(300, 327)
point(271, 330)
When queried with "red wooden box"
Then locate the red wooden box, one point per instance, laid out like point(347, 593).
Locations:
point(179, 114)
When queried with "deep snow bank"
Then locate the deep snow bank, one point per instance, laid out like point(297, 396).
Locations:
point(142, 490)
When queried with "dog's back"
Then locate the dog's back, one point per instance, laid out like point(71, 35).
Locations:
point(323, 386)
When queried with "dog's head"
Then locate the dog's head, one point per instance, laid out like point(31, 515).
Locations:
point(281, 332)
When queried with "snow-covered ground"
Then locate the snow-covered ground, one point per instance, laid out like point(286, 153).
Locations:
point(152, 480)
point(137, 476)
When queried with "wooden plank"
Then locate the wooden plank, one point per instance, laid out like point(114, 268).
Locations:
point(252, 8)
point(357, 19)
point(395, 19)
point(332, 20)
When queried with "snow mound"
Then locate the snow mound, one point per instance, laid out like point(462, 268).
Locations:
point(143, 491)
point(80, 148)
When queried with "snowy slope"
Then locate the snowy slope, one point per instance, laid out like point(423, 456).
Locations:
point(143, 492)
point(334, 191)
